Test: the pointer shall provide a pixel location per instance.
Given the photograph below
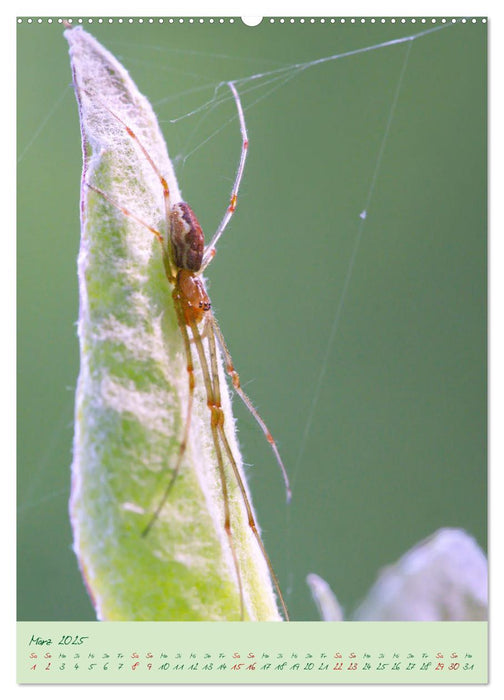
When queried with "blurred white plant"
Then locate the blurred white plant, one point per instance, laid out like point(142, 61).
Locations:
point(443, 577)
point(328, 606)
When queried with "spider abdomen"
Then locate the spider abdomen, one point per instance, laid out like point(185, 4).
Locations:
point(187, 238)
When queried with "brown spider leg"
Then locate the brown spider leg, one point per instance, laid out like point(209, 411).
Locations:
point(251, 521)
point(216, 424)
point(210, 248)
point(126, 212)
point(131, 133)
point(248, 403)
point(192, 384)
point(250, 516)
point(227, 514)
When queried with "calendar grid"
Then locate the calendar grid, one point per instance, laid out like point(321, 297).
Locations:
point(298, 652)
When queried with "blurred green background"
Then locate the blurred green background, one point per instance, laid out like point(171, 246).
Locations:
point(371, 374)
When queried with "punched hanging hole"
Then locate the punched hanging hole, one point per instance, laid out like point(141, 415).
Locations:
point(251, 21)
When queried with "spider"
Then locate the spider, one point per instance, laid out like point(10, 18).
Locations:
point(185, 258)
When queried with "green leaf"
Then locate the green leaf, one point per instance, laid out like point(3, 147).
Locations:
point(133, 387)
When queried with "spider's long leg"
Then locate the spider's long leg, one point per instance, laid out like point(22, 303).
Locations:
point(185, 437)
point(217, 420)
point(227, 514)
point(210, 248)
point(250, 516)
point(248, 403)
point(168, 266)
point(220, 427)
point(251, 521)
point(130, 132)
point(126, 212)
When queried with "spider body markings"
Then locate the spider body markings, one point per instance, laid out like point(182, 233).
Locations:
point(185, 257)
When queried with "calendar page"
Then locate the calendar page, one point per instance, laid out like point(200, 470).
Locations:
point(252, 349)
point(298, 652)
